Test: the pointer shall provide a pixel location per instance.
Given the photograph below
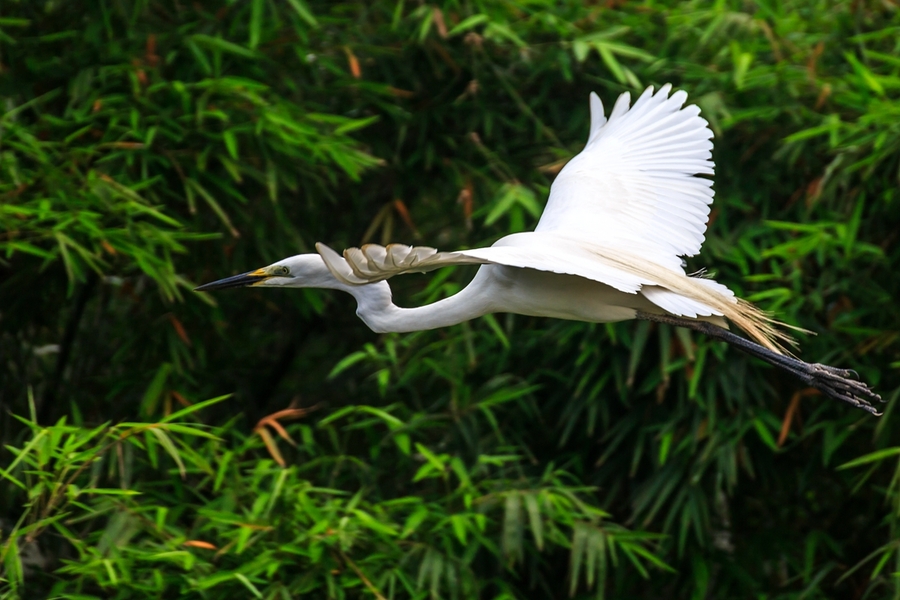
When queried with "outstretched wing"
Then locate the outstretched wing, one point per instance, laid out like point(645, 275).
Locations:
point(633, 186)
point(631, 191)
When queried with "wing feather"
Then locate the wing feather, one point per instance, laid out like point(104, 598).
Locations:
point(371, 263)
point(634, 186)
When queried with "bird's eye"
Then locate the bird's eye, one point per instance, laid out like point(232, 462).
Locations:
point(284, 271)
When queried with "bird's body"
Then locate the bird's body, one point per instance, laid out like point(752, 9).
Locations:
point(498, 288)
point(608, 247)
point(534, 293)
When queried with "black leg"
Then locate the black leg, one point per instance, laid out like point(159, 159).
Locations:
point(840, 384)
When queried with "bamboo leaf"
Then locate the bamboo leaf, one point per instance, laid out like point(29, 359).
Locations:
point(217, 43)
point(166, 442)
point(876, 456)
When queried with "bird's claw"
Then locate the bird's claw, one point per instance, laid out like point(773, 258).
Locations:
point(842, 373)
point(844, 385)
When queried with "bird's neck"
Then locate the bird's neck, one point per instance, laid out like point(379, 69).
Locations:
point(376, 308)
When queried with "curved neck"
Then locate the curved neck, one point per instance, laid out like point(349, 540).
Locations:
point(378, 311)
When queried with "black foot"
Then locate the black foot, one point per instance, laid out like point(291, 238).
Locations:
point(841, 384)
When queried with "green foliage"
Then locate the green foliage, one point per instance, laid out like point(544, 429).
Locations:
point(146, 147)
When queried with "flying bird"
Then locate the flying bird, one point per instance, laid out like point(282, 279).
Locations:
point(608, 247)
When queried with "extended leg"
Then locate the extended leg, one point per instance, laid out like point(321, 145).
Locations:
point(840, 384)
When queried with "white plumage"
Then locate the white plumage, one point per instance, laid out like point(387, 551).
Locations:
point(608, 247)
point(621, 213)
point(634, 185)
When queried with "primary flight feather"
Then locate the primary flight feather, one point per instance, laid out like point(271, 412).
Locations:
point(608, 247)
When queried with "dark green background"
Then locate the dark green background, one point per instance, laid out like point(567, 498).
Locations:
point(147, 147)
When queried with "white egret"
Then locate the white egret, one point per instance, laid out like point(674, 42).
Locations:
point(608, 247)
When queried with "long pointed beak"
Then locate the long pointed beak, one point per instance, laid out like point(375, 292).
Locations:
point(242, 280)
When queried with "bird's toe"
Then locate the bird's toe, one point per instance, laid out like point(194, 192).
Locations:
point(844, 385)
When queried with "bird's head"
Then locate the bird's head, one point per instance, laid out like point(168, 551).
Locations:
point(301, 271)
